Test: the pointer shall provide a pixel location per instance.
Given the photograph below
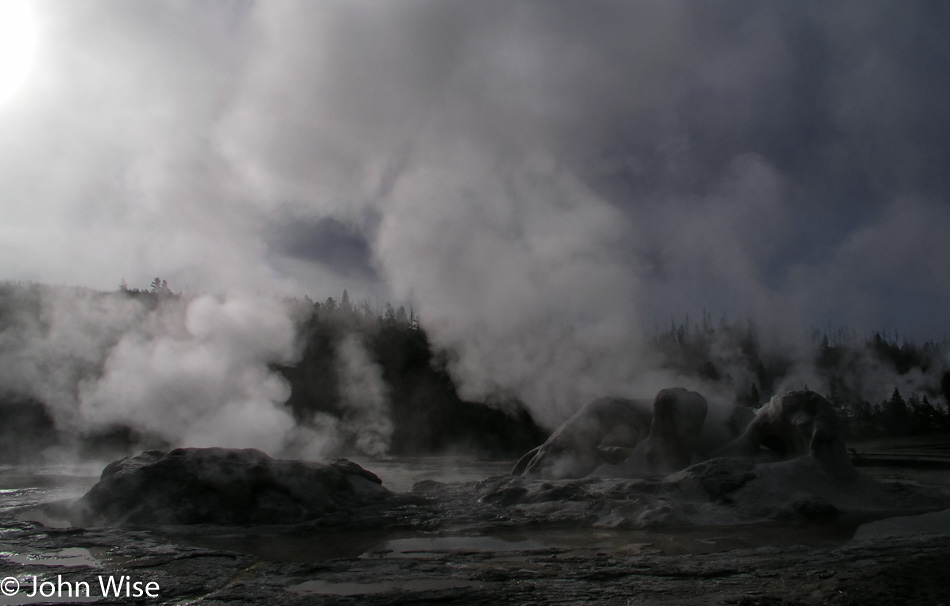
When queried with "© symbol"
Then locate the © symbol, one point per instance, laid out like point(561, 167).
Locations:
point(9, 586)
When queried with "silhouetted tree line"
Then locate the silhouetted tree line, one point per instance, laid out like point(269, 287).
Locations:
point(157, 291)
point(428, 414)
point(732, 354)
point(893, 416)
point(729, 352)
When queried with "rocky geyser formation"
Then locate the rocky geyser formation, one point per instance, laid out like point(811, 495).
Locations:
point(640, 468)
point(800, 423)
point(226, 487)
point(788, 463)
point(641, 440)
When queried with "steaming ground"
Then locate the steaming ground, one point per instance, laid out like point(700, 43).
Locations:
point(184, 371)
point(365, 399)
point(203, 371)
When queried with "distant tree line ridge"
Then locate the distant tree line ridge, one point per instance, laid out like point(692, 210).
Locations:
point(364, 313)
point(848, 370)
point(424, 413)
point(427, 413)
point(158, 289)
point(730, 354)
point(879, 386)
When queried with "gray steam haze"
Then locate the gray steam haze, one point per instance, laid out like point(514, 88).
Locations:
point(546, 182)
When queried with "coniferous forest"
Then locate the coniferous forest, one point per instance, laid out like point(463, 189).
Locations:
point(845, 368)
point(369, 374)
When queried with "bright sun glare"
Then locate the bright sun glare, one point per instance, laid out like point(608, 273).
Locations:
point(17, 45)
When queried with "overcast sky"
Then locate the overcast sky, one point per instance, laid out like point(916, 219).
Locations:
point(506, 166)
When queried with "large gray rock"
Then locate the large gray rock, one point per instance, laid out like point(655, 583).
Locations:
point(673, 442)
point(724, 491)
point(621, 437)
point(678, 416)
point(225, 487)
point(603, 431)
point(797, 424)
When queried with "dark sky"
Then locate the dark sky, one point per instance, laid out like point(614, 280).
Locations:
point(512, 168)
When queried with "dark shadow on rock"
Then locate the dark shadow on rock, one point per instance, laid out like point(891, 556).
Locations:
point(227, 487)
point(678, 416)
point(622, 437)
point(573, 450)
point(796, 424)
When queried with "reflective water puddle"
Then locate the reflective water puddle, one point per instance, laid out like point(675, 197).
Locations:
point(935, 522)
point(72, 556)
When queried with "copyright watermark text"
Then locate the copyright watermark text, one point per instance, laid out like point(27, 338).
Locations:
point(114, 586)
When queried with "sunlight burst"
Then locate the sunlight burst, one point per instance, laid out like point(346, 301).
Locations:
point(17, 45)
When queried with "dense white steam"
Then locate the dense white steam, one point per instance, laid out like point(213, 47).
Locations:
point(545, 182)
point(201, 379)
point(522, 274)
point(191, 372)
point(364, 397)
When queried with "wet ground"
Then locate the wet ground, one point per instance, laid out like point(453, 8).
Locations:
point(891, 561)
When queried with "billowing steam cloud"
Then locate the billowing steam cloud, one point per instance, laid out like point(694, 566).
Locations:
point(364, 398)
point(549, 182)
point(546, 182)
point(529, 283)
point(200, 379)
point(187, 372)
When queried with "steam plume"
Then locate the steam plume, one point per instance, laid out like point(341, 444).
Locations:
point(365, 398)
